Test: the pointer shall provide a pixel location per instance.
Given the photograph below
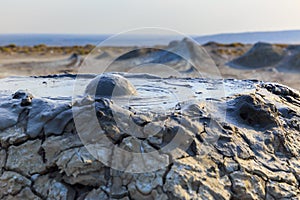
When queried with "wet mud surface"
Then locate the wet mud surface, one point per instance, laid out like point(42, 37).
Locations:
point(238, 140)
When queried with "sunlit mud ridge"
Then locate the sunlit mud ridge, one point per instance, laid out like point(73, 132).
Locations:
point(250, 151)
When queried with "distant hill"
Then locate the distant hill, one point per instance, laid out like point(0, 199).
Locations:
point(287, 37)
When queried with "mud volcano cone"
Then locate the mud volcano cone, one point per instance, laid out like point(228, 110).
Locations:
point(108, 85)
point(260, 55)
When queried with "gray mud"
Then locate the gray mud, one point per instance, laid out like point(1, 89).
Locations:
point(275, 57)
point(251, 151)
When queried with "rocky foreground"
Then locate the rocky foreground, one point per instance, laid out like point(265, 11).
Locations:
point(250, 153)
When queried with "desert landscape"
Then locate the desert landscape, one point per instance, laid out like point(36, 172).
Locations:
point(176, 121)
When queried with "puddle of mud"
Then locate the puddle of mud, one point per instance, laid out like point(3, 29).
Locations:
point(155, 94)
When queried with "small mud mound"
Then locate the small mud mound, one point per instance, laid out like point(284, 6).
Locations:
point(260, 55)
point(252, 111)
point(110, 85)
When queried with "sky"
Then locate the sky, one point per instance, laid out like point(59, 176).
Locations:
point(194, 17)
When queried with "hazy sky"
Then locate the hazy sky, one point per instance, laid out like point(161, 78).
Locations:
point(112, 16)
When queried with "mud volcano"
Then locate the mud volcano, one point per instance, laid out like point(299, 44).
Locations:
point(108, 85)
point(260, 55)
point(185, 56)
point(251, 153)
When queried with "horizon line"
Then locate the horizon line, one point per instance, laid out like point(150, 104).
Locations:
point(110, 34)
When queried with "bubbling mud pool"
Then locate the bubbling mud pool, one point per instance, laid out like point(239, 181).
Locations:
point(154, 93)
